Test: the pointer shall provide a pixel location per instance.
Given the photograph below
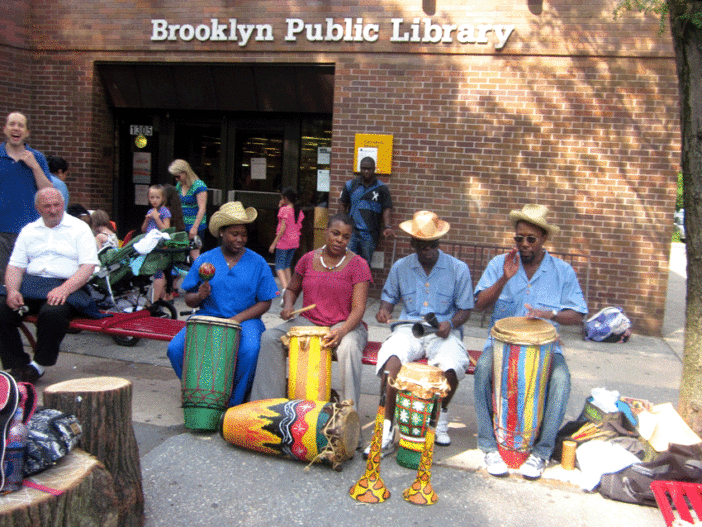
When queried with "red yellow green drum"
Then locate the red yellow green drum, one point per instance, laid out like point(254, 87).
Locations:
point(309, 370)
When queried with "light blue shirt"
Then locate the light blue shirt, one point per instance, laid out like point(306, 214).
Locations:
point(553, 286)
point(447, 289)
point(61, 187)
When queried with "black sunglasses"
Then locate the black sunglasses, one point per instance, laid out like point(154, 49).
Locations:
point(531, 239)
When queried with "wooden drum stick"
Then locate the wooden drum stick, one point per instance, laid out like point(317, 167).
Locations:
point(303, 309)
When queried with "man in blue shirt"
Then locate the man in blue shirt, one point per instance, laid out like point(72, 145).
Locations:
point(527, 282)
point(428, 281)
point(367, 201)
point(23, 171)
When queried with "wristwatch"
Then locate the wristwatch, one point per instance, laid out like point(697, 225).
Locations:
point(553, 314)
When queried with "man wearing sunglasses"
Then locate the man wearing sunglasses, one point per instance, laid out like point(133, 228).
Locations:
point(527, 282)
point(426, 282)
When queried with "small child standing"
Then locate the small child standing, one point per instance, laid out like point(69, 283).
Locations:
point(287, 236)
point(159, 217)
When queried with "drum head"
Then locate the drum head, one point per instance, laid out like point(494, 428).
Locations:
point(308, 331)
point(213, 321)
point(524, 331)
point(342, 433)
point(422, 379)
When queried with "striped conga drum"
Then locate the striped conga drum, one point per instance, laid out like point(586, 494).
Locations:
point(309, 364)
point(521, 353)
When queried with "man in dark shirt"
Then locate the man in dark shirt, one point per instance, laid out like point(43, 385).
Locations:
point(369, 204)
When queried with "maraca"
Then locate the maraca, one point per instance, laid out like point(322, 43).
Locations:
point(206, 271)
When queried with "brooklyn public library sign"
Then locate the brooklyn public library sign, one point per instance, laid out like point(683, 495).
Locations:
point(400, 31)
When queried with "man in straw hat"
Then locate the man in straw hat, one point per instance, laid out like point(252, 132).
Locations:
point(241, 290)
point(428, 281)
point(527, 282)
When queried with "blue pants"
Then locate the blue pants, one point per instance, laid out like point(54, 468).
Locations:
point(363, 244)
point(251, 331)
point(557, 394)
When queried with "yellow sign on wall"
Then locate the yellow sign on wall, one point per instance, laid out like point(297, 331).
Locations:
point(379, 147)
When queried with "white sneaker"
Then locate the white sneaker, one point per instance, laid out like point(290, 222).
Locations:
point(533, 467)
point(441, 434)
point(495, 464)
point(388, 445)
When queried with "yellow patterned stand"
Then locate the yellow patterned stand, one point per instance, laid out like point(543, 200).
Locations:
point(371, 488)
point(421, 492)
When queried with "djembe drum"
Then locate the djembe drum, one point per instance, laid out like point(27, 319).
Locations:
point(211, 346)
point(297, 429)
point(521, 354)
point(416, 385)
point(309, 370)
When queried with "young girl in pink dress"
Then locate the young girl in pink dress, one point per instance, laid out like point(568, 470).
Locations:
point(287, 236)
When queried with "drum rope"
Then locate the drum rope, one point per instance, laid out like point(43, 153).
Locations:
point(335, 451)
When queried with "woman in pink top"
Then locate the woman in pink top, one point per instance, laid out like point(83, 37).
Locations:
point(337, 281)
point(287, 235)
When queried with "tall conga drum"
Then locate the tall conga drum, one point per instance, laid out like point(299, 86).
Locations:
point(298, 429)
point(211, 346)
point(416, 385)
point(521, 353)
point(309, 364)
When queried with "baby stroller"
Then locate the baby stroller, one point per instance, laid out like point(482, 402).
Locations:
point(123, 281)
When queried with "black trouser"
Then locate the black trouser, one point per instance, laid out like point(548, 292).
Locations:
point(52, 324)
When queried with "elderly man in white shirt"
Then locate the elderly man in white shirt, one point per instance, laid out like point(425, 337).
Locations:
point(53, 258)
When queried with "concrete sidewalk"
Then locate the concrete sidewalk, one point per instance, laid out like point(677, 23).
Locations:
point(199, 479)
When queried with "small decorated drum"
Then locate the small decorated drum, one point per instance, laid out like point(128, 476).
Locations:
point(211, 346)
point(521, 354)
point(416, 385)
point(298, 429)
point(309, 370)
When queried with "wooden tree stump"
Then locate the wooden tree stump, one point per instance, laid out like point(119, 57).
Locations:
point(103, 406)
point(88, 497)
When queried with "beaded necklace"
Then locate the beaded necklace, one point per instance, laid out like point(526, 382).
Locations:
point(332, 267)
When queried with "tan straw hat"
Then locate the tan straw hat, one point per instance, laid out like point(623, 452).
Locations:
point(425, 225)
point(231, 213)
point(534, 214)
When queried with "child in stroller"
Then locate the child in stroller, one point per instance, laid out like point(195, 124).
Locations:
point(123, 281)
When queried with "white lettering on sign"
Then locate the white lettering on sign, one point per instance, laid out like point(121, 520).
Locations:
point(419, 31)
point(140, 129)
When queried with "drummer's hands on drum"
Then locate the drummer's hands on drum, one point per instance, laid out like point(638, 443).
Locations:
point(333, 338)
point(538, 313)
point(511, 265)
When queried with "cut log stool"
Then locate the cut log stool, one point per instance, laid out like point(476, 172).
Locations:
point(103, 406)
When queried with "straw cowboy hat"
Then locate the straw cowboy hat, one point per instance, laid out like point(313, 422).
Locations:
point(534, 214)
point(231, 213)
point(425, 225)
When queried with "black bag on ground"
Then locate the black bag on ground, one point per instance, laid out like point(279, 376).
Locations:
point(633, 484)
point(51, 436)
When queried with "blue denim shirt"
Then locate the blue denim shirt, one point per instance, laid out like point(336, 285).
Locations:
point(553, 286)
point(447, 289)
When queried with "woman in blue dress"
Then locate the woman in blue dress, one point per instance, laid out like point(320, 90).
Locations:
point(241, 290)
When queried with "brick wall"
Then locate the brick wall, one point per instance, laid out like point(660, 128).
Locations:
point(577, 111)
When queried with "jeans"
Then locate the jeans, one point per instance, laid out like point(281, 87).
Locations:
point(363, 244)
point(557, 394)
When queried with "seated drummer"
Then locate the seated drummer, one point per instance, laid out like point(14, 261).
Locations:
point(337, 281)
point(429, 281)
point(241, 290)
point(535, 285)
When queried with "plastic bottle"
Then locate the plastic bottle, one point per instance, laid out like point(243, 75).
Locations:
point(15, 452)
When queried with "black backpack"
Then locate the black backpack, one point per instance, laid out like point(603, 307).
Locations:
point(633, 484)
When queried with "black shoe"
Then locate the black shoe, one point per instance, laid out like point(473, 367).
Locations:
point(26, 373)
point(8, 407)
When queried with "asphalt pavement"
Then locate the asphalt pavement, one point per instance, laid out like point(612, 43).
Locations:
point(200, 479)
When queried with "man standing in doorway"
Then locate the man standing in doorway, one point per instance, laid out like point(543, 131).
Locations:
point(367, 201)
point(23, 171)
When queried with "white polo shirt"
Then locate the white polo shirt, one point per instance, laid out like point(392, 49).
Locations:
point(54, 252)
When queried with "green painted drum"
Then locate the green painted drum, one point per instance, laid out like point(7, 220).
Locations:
point(211, 346)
